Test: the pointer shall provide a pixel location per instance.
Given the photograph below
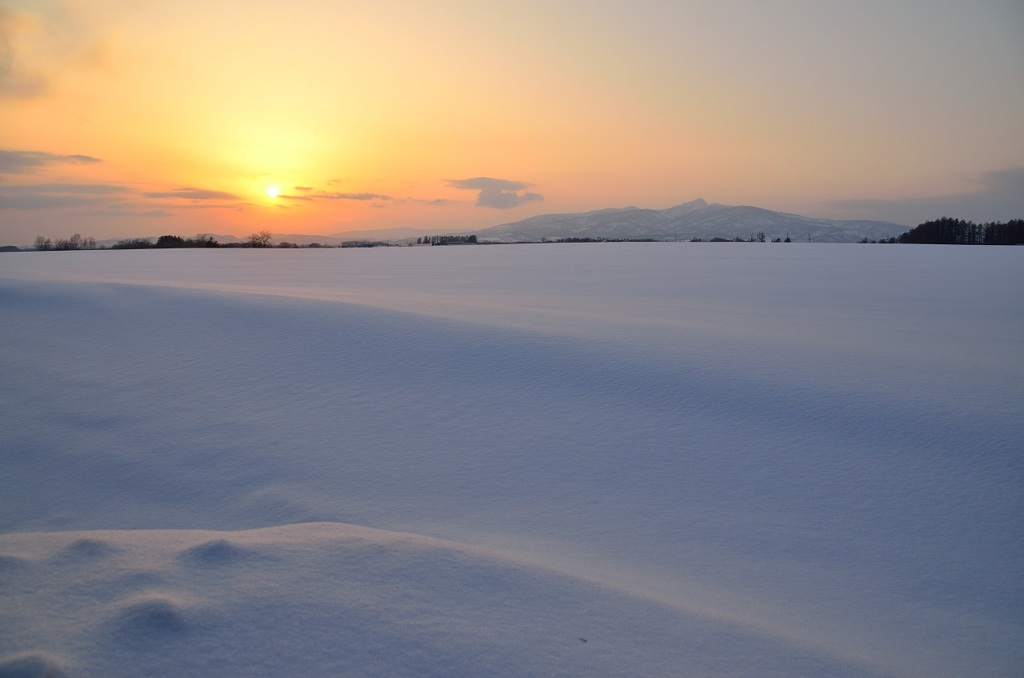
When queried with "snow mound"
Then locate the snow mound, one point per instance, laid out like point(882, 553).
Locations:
point(31, 665)
point(215, 553)
point(86, 550)
point(150, 617)
point(332, 599)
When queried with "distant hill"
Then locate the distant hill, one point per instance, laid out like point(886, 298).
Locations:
point(696, 219)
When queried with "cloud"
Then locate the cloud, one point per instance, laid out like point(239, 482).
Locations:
point(43, 202)
point(354, 196)
point(79, 189)
point(14, 82)
point(999, 196)
point(45, 41)
point(497, 193)
point(194, 194)
point(53, 195)
point(24, 162)
point(1005, 182)
point(378, 200)
point(310, 195)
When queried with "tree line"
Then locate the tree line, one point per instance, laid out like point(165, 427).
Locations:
point(75, 242)
point(754, 237)
point(447, 240)
point(947, 231)
point(261, 239)
point(165, 242)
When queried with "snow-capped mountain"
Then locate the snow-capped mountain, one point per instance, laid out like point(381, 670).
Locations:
point(695, 219)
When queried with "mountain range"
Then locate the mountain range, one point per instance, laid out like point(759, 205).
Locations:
point(695, 219)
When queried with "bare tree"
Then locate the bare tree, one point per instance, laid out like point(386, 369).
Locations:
point(75, 242)
point(261, 239)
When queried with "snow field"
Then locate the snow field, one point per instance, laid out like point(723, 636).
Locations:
point(732, 460)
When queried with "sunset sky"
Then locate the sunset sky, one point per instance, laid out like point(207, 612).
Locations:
point(124, 118)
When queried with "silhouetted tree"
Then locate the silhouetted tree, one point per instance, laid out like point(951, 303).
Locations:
point(449, 240)
point(170, 241)
point(261, 239)
point(1010, 233)
point(947, 231)
point(132, 244)
point(202, 240)
point(75, 242)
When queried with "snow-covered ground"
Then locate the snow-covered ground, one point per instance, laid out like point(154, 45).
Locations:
point(607, 459)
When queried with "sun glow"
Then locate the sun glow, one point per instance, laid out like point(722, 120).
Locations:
point(273, 192)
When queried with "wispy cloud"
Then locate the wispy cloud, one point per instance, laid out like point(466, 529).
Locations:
point(194, 194)
point(309, 196)
point(497, 193)
point(25, 162)
point(354, 196)
point(376, 200)
point(999, 196)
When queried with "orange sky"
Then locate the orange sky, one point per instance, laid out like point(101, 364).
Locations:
point(127, 118)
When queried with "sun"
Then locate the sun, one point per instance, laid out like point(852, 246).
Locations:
point(273, 192)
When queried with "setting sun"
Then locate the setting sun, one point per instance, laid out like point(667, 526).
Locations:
point(273, 192)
